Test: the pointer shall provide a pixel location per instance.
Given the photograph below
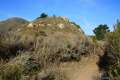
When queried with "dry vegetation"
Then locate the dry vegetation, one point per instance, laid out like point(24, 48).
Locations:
point(35, 53)
point(12, 23)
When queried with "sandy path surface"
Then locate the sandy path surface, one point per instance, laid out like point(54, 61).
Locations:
point(87, 69)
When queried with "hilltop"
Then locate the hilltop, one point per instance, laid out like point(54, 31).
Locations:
point(12, 23)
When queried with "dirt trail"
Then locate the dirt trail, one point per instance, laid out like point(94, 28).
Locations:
point(87, 69)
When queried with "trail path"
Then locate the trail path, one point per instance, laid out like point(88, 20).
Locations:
point(87, 69)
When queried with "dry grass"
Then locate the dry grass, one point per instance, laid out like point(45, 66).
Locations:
point(10, 72)
point(32, 50)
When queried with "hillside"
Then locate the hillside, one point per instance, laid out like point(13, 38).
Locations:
point(12, 23)
point(43, 49)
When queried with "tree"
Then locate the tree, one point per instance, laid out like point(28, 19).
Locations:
point(43, 15)
point(101, 31)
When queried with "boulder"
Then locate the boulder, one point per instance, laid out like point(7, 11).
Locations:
point(61, 26)
point(30, 25)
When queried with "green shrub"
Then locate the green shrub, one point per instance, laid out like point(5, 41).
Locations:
point(31, 66)
point(78, 26)
point(112, 53)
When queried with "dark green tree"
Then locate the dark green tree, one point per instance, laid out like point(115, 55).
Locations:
point(101, 31)
point(43, 15)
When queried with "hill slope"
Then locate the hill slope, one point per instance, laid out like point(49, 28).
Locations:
point(37, 51)
point(12, 23)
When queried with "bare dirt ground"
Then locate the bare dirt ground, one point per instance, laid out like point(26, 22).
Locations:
point(86, 69)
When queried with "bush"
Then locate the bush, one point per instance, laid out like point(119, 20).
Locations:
point(51, 74)
point(11, 72)
point(111, 59)
point(31, 66)
point(11, 44)
point(78, 26)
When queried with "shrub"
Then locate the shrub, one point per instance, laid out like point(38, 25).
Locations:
point(61, 48)
point(78, 26)
point(31, 66)
point(11, 72)
point(11, 44)
point(51, 74)
point(111, 59)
